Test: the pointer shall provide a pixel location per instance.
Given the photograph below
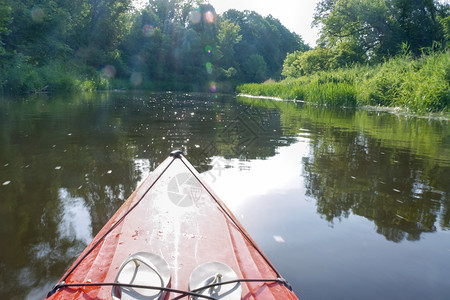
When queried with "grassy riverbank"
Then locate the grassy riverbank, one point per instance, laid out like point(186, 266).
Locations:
point(419, 85)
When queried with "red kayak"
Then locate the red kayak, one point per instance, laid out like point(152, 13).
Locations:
point(172, 239)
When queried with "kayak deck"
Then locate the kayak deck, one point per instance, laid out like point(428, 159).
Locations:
point(175, 215)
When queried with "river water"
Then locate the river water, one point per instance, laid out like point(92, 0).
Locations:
point(347, 204)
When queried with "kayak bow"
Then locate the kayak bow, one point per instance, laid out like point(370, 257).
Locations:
point(172, 238)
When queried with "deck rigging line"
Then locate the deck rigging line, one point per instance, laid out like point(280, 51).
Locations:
point(183, 293)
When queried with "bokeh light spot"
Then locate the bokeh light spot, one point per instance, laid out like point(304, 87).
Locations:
point(108, 72)
point(148, 30)
point(195, 16)
point(209, 67)
point(37, 14)
point(213, 87)
point(208, 17)
point(208, 49)
point(136, 78)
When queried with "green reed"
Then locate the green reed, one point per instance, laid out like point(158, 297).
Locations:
point(419, 85)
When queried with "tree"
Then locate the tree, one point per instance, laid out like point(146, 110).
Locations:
point(228, 36)
point(5, 20)
point(300, 63)
point(292, 66)
point(140, 49)
point(255, 68)
point(415, 23)
point(263, 36)
point(378, 27)
point(362, 23)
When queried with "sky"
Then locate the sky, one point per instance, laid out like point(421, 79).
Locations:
point(296, 15)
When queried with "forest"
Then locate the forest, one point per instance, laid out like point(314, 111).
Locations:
point(370, 52)
point(109, 44)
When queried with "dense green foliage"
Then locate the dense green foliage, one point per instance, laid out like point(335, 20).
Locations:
point(169, 44)
point(372, 52)
point(379, 27)
point(371, 31)
point(421, 85)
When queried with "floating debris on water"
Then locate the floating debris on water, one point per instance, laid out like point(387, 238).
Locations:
point(400, 217)
point(109, 172)
point(58, 168)
point(6, 182)
point(353, 177)
point(278, 239)
point(395, 190)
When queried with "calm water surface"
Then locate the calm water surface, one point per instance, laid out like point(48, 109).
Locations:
point(348, 204)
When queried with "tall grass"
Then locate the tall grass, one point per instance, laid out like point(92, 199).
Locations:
point(23, 76)
point(419, 85)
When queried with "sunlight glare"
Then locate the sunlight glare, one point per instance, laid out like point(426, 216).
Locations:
point(236, 184)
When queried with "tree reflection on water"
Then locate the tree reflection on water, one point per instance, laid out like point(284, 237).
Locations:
point(348, 173)
point(390, 169)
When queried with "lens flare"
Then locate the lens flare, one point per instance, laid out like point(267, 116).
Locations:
point(108, 72)
point(208, 17)
point(195, 16)
point(136, 79)
point(213, 87)
point(37, 14)
point(148, 30)
point(209, 67)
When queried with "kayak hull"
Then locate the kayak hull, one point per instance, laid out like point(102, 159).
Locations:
point(175, 215)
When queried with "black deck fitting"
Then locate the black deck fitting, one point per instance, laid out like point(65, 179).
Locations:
point(176, 153)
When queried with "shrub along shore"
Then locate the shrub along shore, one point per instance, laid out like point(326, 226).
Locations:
point(418, 85)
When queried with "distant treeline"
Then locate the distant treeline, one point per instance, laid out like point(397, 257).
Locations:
point(372, 52)
point(68, 45)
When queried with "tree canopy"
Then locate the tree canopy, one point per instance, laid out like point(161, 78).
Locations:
point(379, 27)
point(371, 31)
point(168, 44)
